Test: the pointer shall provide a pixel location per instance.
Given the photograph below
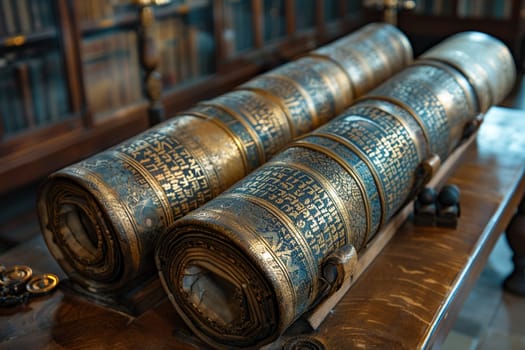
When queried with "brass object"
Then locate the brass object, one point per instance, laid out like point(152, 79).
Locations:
point(488, 76)
point(17, 40)
point(18, 285)
point(244, 266)
point(101, 217)
point(312, 89)
point(366, 56)
point(339, 267)
point(391, 8)
point(15, 276)
point(431, 165)
point(302, 343)
point(42, 284)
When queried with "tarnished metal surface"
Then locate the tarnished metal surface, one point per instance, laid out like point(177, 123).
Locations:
point(486, 63)
point(244, 266)
point(101, 217)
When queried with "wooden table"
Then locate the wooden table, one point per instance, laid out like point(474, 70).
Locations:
point(407, 298)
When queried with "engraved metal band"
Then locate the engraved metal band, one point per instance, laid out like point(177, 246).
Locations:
point(327, 185)
point(366, 70)
point(402, 43)
point(481, 107)
point(382, 57)
point(275, 100)
point(306, 95)
point(455, 73)
point(152, 182)
point(236, 139)
point(359, 153)
point(249, 129)
point(405, 107)
point(339, 103)
point(409, 109)
point(299, 238)
point(352, 91)
point(326, 151)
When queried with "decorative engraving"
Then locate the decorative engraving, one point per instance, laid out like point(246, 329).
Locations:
point(240, 132)
point(391, 152)
point(439, 104)
point(180, 174)
point(267, 121)
point(363, 174)
point(345, 189)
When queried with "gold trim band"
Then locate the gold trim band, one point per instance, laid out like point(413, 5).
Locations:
point(352, 173)
point(289, 224)
point(236, 139)
point(275, 100)
point(249, 129)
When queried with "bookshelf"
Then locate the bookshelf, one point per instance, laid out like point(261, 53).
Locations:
point(433, 20)
point(71, 82)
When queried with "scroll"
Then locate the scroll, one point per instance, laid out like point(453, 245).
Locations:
point(240, 269)
point(101, 217)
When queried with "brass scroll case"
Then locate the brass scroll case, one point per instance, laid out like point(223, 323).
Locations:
point(101, 217)
point(243, 267)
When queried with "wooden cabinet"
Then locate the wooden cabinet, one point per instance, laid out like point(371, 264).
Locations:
point(71, 82)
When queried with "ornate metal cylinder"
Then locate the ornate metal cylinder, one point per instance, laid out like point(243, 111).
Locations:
point(101, 217)
point(366, 55)
point(240, 269)
point(488, 79)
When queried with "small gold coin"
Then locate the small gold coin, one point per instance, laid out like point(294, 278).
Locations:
point(15, 275)
point(42, 284)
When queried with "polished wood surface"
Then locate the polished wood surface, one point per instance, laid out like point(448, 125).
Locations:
point(407, 298)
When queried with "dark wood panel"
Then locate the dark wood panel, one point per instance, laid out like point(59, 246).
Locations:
point(33, 162)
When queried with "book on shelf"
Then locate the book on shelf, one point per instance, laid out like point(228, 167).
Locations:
point(23, 85)
point(304, 14)
point(169, 36)
point(274, 20)
point(497, 9)
point(33, 91)
point(353, 7)
point(23, 17)
point(111, 70)
point(186, 46)
point(201, 40)
point(331, 10)
point(238, 33)
point(96, 10)
point(10, 102)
